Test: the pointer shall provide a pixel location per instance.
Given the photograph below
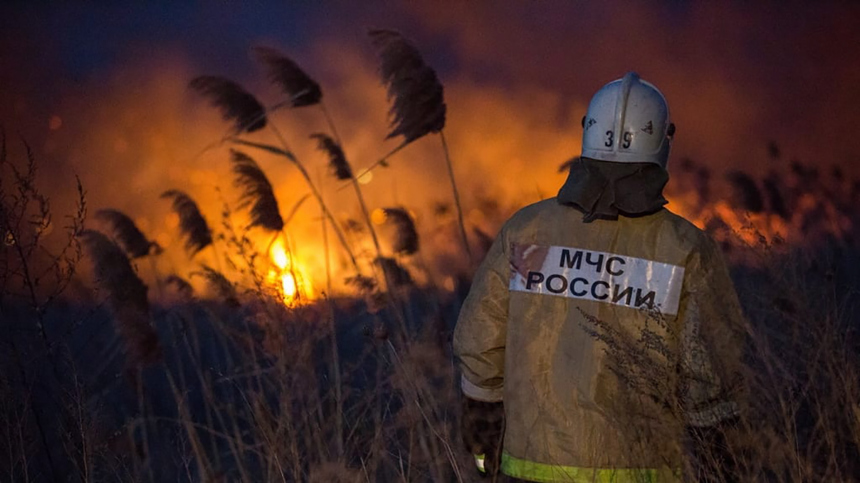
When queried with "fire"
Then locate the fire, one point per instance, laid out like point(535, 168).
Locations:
point(288, 275)
point(279, 255)
point(288, 283)
point(502, 162)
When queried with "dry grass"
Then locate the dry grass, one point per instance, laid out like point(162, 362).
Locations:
point(244, 391)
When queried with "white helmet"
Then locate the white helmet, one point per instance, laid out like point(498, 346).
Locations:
point(628, 122)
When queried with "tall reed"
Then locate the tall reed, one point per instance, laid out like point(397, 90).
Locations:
point(192, 225)
point(127, 295)
point(417, 103)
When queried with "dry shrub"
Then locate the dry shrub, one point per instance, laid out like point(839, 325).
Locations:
point(800, 365)
point(803, 366)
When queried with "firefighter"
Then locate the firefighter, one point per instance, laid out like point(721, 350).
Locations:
point(601, 334)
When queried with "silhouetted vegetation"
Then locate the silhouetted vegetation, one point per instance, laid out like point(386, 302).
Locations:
point(241, 381)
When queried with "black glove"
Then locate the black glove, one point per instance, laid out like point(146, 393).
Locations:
point(483, 426)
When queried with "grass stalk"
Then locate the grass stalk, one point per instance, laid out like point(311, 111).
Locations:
point(159, 284)
point(460, 221)
point(335, 351)
point(392, 302)
point(354, 181)
point(37, 416)
point(144, 422)
point(203, 465)
point(381, 161)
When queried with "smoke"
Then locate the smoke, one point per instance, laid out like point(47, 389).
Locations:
point(736, 75)
point(517, 80)
point(141, 131)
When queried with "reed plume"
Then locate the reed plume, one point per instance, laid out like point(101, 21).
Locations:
point(776, 202)
point(368, 288)
point(395, 275)
point(126, 297)
point(336, 158)
point(257, 192)
point(773, 150)
point(236, 104)
point(406, 236)
point(223, 289)
point(126, 232)
point(362, 283)
point(182, 287)
point(745, 192)
point(293, 81)
point(113, 270)
point(191, 222)
point(418, 106)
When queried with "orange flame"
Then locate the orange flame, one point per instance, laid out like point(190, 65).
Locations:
point(289, 277)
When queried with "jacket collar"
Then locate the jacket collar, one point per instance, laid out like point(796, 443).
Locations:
point(605, 190)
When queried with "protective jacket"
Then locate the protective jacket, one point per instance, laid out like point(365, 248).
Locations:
point(604, 340)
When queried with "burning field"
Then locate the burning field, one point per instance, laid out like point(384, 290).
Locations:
point(259, 271)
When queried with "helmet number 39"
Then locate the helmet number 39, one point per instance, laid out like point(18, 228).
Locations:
point(628, 138)
point(627, 121)
point(610, 139)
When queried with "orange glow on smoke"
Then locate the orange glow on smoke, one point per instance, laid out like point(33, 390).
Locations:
point(748, 228)
point(146, 134)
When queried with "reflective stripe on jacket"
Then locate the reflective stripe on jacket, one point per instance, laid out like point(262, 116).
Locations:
point(603, 339)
